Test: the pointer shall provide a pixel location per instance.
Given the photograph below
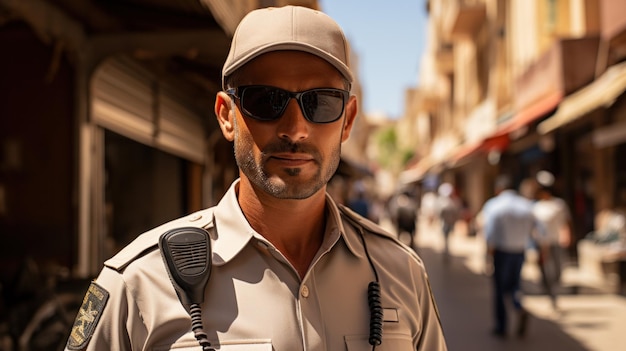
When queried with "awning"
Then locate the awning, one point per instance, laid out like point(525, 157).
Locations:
point(531, 113)
point(500, 140)
point(495, 142)
point(600, 93)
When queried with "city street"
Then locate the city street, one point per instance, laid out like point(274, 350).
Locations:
point(589, 320)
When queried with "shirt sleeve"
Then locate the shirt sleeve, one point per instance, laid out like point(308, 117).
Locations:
point(489, 224)
point(432, 338)
point(105, 327)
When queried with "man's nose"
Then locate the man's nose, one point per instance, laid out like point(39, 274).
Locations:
point(292, 124)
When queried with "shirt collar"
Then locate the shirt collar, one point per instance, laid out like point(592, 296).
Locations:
point(232, 232)
point(349, 233)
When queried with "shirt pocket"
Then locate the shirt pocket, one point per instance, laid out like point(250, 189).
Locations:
point(233, 345)
point(245, 345)
point(391, 342)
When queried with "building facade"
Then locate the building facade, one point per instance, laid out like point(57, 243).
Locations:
point(521, 86)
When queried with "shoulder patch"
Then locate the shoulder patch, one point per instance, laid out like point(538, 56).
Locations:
point(88, 317)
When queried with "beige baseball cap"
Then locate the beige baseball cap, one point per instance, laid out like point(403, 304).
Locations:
point(288, 28)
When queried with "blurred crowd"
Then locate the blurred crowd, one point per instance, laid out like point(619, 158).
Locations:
point(440, 205)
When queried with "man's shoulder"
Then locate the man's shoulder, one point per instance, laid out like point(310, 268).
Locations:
point(361, 222)
point(367, 227)
point(148, 241)
point(386, 248)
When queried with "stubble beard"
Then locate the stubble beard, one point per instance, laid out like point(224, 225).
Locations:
point(290, 184)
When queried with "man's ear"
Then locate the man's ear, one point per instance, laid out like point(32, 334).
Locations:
point(225, 115)
point(351, 112)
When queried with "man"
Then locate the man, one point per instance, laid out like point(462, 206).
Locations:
point(509, 225)
point(291, 268)
point(449, 212)
point(403, 209)
point(554, 215)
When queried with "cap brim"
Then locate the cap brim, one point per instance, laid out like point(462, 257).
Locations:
point(289, 46)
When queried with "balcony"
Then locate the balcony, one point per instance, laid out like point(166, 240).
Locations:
point(567, 66)
point(463, 17)
point(613, 32)
point(445, 58)
point(468, 20)
point(612, 19)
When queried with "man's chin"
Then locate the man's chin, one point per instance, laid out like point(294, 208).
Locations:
point(294, 188)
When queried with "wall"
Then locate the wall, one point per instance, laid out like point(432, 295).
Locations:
point(36, 148)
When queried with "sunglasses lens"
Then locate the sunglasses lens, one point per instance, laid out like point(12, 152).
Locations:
point(267, 103)
point(264, 103)
point(322, 105)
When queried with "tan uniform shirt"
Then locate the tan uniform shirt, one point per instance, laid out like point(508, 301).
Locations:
point(254, 299)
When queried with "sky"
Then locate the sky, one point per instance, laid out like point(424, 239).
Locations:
point(389, 38)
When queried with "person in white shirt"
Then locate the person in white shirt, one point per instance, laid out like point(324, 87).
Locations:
point(555, 217)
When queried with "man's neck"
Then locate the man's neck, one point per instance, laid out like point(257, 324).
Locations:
point(295, 227)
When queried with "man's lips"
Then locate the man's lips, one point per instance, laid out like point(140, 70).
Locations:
point(292, 159)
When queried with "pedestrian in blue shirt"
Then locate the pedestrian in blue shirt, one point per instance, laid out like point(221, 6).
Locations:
point(509, 225)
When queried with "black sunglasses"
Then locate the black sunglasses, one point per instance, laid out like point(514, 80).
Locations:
point(266, 103)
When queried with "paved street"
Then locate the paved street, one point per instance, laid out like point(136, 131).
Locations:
point(589, 320)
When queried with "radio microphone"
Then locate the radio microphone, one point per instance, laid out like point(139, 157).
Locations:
point(187, 255)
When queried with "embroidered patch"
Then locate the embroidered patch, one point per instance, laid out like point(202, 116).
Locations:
point(88, 317)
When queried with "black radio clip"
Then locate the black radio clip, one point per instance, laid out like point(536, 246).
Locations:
point(186, 252)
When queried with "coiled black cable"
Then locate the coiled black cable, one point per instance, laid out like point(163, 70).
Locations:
point(376, 314)
point(195, 311)
point(373, 300)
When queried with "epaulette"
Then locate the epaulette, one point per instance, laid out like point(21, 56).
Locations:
point(149, 240)
point(362, 222)
point(368, 226)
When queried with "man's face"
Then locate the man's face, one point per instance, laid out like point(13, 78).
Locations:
point(290, 158)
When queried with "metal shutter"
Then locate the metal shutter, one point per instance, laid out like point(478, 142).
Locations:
point(129, 100)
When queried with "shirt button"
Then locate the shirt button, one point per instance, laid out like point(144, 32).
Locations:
point(304, 291)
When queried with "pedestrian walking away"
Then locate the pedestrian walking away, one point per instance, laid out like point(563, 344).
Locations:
point(449, 212)
point(276, 264)
point(509, 227)
point(403, 210)
point(555, 217)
